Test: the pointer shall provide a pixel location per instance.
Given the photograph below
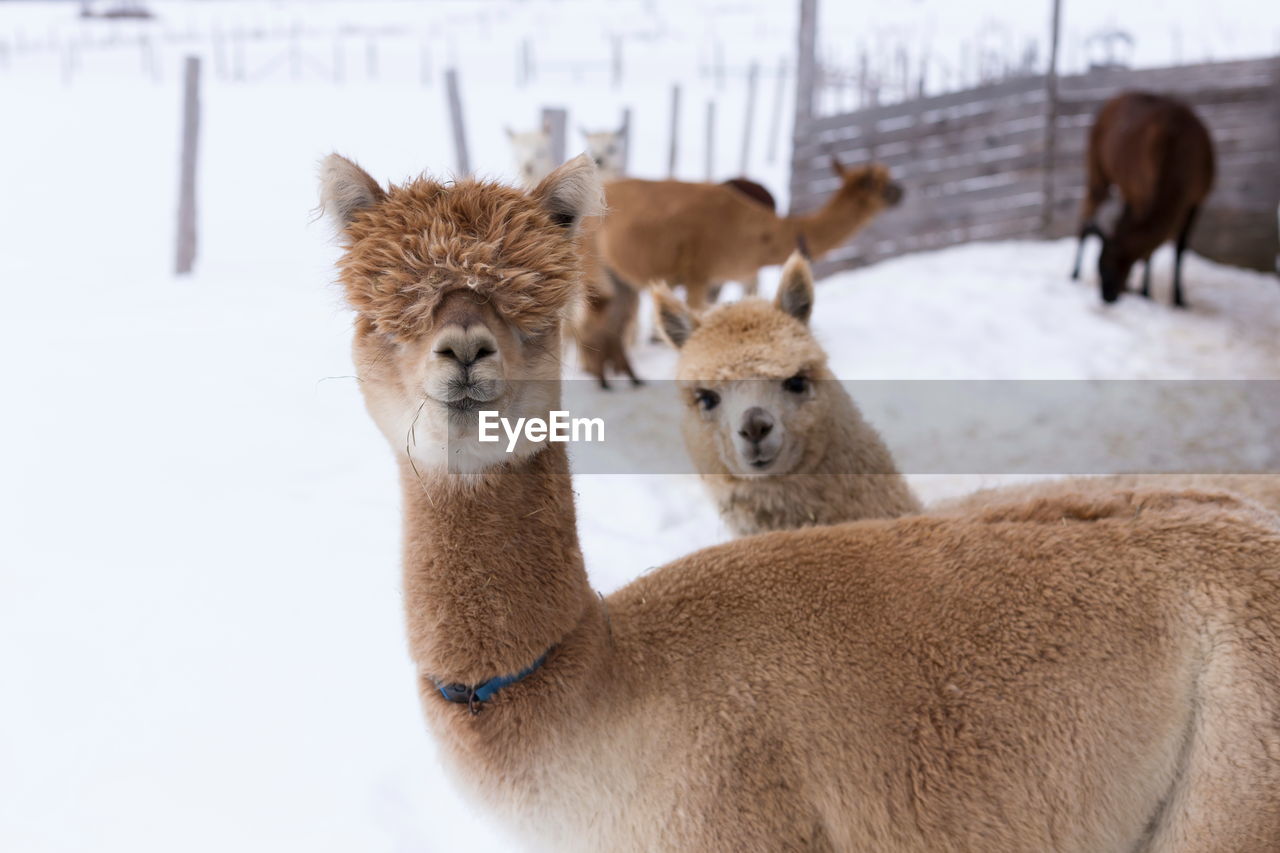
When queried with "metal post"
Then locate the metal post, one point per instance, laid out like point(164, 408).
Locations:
point(625, 133)
point(555, 121)
point(675, 130)
point(775, 124)
point(186, 232)
point(749, 123)
point(455, 118)
point(711, 138)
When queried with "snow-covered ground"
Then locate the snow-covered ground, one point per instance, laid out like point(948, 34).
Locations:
point(200, 626)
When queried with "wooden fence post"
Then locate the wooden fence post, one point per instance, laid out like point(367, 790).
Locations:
point(617, 61)
point(806, 66)
point(625, 134)
point(186, 232)
point(675, 130)
point(555, 121)
point(775, 124)
point(806, 62)
point(749, 122)
point(455, 118)
point(711, 138)
point(1051, 120)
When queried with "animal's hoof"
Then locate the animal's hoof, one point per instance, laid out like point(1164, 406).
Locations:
point(637, 381)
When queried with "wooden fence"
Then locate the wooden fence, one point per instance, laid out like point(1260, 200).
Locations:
point(974, 163)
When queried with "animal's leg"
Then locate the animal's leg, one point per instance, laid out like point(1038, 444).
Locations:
point(1183, 236)
point(696, 293)
point(631, 374)
point(713, 293)
point(1096, 192)
point(1085, 231)
point(1146, 277)
point(751, 287)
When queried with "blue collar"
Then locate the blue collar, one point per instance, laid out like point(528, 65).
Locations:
point(473, 694)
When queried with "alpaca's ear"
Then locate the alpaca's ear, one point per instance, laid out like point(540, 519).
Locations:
point(676, 320)
point(346, 189)
point(572, 192)
point(838, 167)
point(795, 291)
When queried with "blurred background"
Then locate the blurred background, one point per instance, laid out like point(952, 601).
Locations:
point(200, 627)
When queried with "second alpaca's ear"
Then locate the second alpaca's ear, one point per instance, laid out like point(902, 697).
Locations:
point(676, 319)
point(346, 189)
point(571, 192)
point(795, 291)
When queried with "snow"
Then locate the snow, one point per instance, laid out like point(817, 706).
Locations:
point(200, 626)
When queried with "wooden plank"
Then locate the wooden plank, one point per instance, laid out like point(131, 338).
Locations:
point(979, 95)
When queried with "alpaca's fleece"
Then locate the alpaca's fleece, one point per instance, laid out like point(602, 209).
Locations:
point(750, 338)
point(426, 238)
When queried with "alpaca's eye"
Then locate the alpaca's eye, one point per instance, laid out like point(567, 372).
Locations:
point(708, 400)
point(797, 384)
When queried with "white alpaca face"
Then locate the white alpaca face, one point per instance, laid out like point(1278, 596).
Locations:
point(608, 150)
point(755, 427)
point(532, 151)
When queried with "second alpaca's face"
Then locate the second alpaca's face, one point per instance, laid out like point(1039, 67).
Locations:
point(754, 381)
point(754, 427)
point(532, 151)
point(606, 149)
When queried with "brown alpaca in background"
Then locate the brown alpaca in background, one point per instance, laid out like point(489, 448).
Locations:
point(604, 325)
point(1070, 675)
point(703, 235)
point(781, 445)
point(1160, 156)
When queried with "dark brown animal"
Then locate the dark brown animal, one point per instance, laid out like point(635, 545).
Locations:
point(1160, 156)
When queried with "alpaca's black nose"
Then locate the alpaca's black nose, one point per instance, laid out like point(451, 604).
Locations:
point(756, 424)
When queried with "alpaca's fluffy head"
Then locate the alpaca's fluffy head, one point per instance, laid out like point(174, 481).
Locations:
point(755, 382)
point(532, 152)
point(608, 148)
point(460, 289)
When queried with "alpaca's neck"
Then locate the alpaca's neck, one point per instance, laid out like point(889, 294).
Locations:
point(832, 224)
point(853, 478)
point(493, 574)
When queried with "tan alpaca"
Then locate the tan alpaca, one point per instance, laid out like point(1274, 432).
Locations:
point(778, 442)
point(703, 235)
point(776, 399)
point(1087, 675)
